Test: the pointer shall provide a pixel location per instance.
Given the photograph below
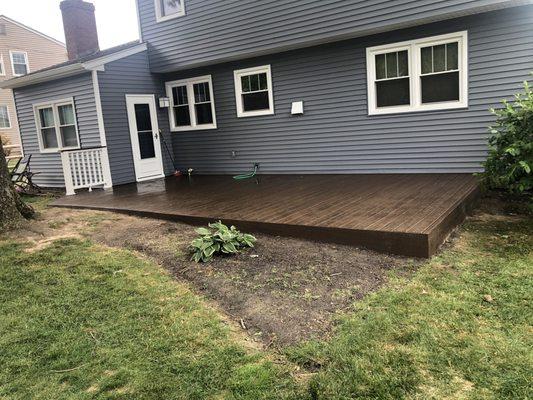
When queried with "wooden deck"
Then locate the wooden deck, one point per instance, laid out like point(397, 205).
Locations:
point(406, 214)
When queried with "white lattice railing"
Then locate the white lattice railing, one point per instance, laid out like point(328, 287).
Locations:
point(86, 168)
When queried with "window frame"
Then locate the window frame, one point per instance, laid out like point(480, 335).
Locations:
point(159, 17)
point(55, 104)
point(189, 83)
point(237, 74)
point(8, 118)
point(11, 52)
point(414, 48)
point(3, 71)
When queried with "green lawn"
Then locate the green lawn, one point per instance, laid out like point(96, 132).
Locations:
point(460, 329)
point(78, 321)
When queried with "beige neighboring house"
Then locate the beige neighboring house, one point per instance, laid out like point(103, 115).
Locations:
point(22, 50)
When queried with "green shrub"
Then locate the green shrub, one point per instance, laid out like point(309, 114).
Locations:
point(510, 157)
point(219, 239)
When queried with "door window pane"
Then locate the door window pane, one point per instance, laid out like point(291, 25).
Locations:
point(146, 145)
point(394, 92)
point(69, 137)
point(142, 116)
point(144, 131)
point(440, 87)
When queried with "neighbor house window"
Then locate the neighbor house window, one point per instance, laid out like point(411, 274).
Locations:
point(19, 63)
point(192, 104)
point(2, 67)
point(168, 9)
point(5, 122)
point(57, 126)
point(253, 91)
point(424, 74)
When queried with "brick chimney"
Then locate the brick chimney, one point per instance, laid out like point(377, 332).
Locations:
point(79, 24)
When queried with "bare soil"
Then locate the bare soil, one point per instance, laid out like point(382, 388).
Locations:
point(282, 292)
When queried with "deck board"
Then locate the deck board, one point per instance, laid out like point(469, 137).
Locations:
point(403, 213)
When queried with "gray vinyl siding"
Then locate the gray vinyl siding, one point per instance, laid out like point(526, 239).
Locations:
point(48, 165)
point(130, 75)
point(214, 31)
point(336, 135)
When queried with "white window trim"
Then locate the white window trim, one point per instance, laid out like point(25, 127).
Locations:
point(3, 72)
point(190, 99)
point(237, 74)
point(159, 17)
point(54, 105)
point(8, 118)
point(13, 64)
point(414, 48)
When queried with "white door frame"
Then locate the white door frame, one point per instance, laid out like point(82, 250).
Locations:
point(131, 100)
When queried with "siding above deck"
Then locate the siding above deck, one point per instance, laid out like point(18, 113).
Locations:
point(336, 134)
point(215, 31)
point(48, 165)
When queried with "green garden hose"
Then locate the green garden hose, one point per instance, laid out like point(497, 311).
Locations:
point(247, 176)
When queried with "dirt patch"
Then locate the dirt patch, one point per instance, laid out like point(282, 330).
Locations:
point(282, 292)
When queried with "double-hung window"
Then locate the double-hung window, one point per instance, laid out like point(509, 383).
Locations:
point(57, 126)
point(168, 9)
point(192, 104)
point(424, 74)
point(5, 122)
point(253, 91)
point(19, 63)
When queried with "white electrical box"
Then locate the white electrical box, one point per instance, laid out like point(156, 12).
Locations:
point(297, 108)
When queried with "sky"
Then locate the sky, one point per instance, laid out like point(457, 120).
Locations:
point(116, 20)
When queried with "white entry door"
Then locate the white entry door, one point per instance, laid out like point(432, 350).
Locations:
point(145, 141)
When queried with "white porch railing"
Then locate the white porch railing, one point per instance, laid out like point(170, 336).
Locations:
point(86, 168)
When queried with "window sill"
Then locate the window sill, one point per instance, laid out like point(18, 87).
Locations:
point(254, 113)
point(193, 128)
point(423, 108)
point(58, 150)
point(169, 17)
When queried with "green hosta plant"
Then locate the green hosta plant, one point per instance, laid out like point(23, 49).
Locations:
point(219, 239)
point(510, 162)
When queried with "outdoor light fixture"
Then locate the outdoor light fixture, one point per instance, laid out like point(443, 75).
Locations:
point(164, 102)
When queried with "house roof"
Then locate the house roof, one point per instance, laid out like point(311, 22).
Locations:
point(21, 25)
point(90, 62)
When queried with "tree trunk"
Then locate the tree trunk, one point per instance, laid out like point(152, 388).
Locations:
point(12, 209)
